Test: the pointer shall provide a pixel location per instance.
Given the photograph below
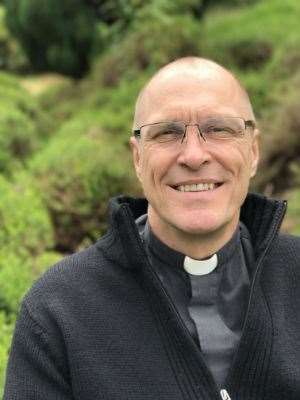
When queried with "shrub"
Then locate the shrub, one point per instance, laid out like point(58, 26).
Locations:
point(292, 223)
point(152, 41)
point(26, 235)
point(23, 126)
point(61, 100)
point(5, 339)
point(114, 107)
point(281, 146)
point(12, 57)
point(250, 54)
point(16, 276)
point(43, 261)
point(25, 225)
point(77, 173)
point(55, 35)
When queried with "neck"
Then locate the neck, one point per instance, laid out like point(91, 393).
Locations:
point(195, 245)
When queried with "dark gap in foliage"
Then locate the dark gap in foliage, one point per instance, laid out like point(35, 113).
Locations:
point(248, 54)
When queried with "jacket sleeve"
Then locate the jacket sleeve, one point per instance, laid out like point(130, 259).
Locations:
point(37, 369)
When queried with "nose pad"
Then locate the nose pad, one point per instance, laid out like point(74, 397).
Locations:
point(199, 133)
point(194, 153)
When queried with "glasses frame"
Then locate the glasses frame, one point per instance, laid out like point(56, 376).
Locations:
point(249, 123)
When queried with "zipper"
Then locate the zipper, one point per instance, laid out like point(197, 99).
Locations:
point(181, 323)
point(258, 267)
point(224, 394)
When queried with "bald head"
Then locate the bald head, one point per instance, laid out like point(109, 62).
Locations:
point(196, 75)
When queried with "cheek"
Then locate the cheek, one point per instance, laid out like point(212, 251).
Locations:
point(247, 159)
point(237, 160)
point(154, 166)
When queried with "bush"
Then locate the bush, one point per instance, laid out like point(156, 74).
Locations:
point(77, 173)
point(60, 99)
point(5, 339)
point(248, 39)
point(16, 276)
point(250, 54)
point(25, 236)
point(12, 57)
point(260, 22)
point(25, 225)
point(55, 35)
point(23, 126)
point(292, 220)
point(114, 107)
point(281, 146)
point(152, 41)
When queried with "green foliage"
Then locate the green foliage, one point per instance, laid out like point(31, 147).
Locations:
point(114, 106)
point(152, 41)
point(251, 41)
point(43, 261)
point(23, 126)
point(117, 11)
point(281, 146)
point(25, 235)
point(77, 173)
point(293, 211)
point(262, 21)
point(60, 100)
point(55, 35)
point(11, 56)
point(5, 339)
point(16, 276)
point(25, 225)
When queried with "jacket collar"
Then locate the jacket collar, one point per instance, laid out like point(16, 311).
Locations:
point(261, 215)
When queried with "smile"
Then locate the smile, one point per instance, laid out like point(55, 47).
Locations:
point(199, 187)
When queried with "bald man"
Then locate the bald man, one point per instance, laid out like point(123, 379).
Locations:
point(193, 293)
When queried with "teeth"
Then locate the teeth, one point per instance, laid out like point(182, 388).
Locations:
point(200, 187)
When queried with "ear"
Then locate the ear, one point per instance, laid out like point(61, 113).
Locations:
point(255, 151)
point(136, 155)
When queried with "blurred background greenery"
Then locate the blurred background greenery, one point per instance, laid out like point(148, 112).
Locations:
point(69, 74)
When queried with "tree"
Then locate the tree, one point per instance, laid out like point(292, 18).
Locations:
point(55, 35)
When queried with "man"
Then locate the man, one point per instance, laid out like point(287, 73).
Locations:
point(191, 295)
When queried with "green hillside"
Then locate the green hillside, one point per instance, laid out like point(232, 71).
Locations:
point(64, 141)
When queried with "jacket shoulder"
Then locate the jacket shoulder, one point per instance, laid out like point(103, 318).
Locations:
point(286, 249)
point(292, 242)
point(73, 279)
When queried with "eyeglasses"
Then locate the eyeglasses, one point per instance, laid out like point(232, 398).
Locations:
point(213, 129)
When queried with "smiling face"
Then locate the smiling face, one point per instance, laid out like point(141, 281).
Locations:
point(195, 189)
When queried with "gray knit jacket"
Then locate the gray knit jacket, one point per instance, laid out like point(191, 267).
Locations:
point(99, 325)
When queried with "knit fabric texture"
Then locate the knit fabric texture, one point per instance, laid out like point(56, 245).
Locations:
point(100, 325)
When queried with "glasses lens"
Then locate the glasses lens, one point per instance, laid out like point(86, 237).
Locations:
point(164, 132)
point(223, 128)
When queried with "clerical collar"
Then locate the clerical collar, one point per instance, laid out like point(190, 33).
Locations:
point(179, 260)
point(200, 267)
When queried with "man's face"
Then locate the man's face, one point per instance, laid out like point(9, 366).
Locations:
point(226, 166)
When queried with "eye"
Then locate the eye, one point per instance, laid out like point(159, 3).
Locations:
point(164, 132)
point(169, 135)
point(221, 132)
point(219, 129)
point(223, 128)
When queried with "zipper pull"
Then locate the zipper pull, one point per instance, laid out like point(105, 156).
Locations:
point(224, 394)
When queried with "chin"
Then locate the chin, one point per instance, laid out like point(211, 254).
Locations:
point(199, 224)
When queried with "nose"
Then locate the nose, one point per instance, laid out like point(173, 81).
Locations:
point(194, 151)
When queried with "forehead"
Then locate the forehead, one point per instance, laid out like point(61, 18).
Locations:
point(191, 97)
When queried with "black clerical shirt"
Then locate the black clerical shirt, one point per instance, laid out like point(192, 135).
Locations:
point(212, 306)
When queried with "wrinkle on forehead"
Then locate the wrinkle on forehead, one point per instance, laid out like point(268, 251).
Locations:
point(175, 77)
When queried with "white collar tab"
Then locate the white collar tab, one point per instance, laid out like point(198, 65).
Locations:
point(200, 267)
